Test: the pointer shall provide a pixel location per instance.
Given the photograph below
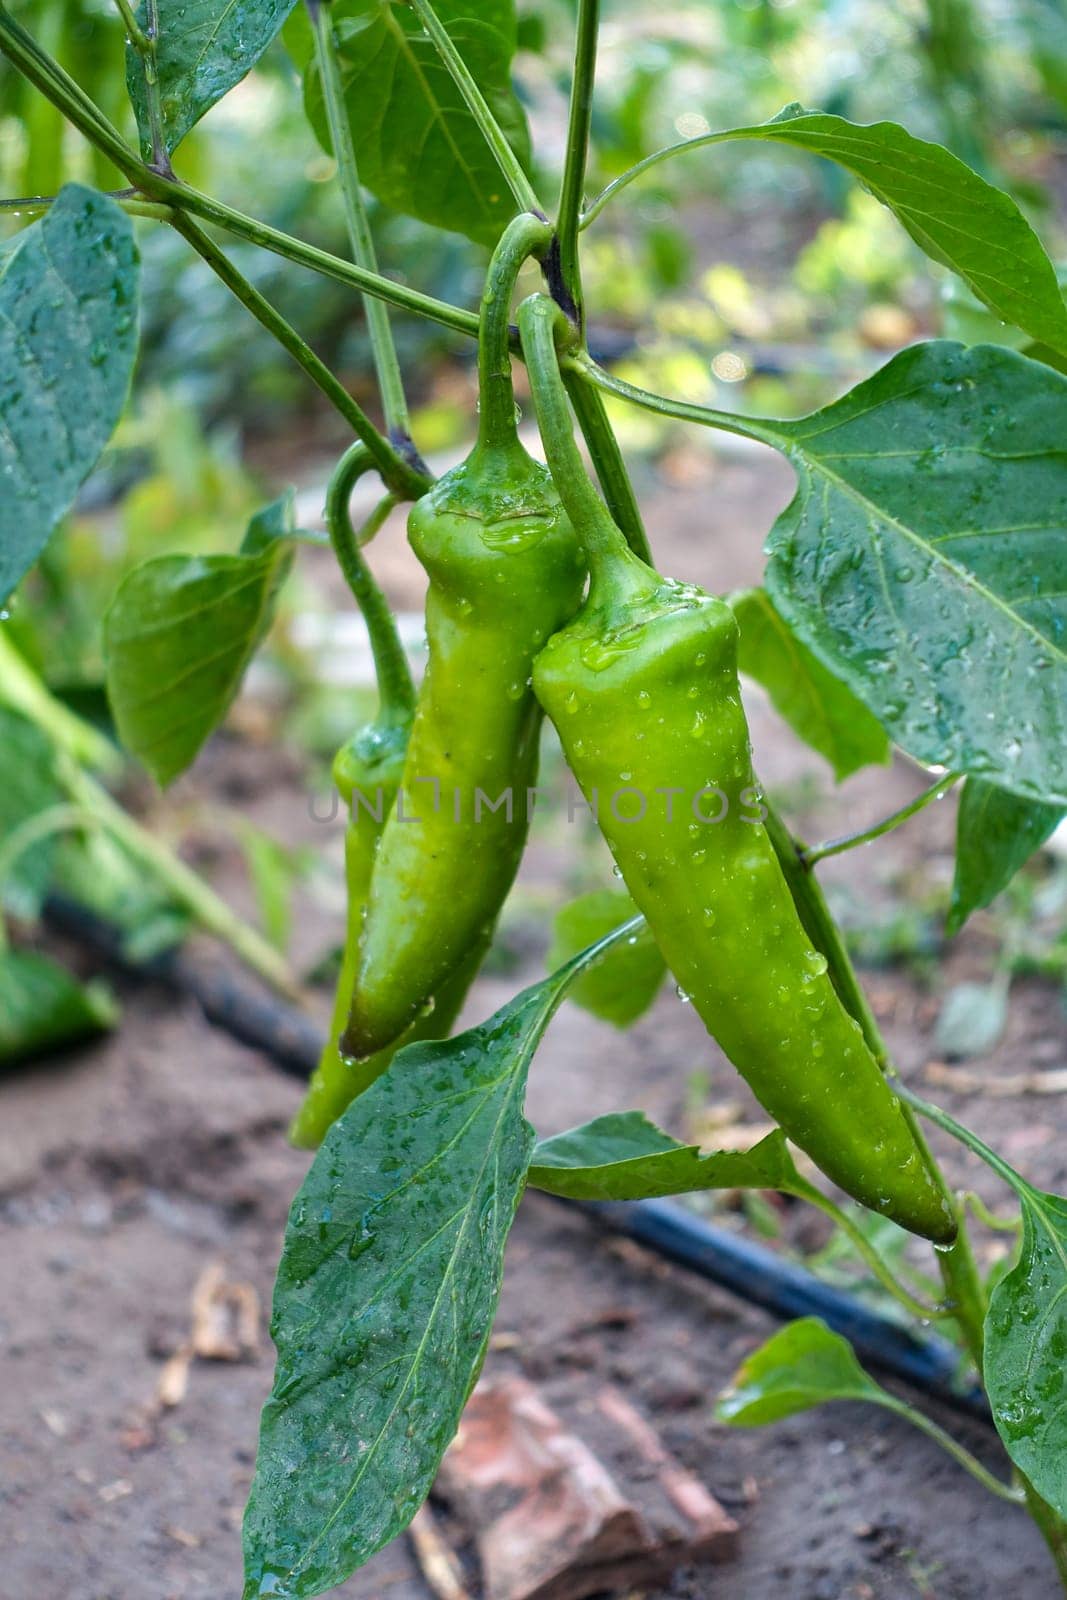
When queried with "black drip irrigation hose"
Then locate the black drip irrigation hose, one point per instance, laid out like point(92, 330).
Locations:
point(292, 1043)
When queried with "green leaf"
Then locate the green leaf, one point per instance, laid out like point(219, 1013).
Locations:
point(417, 146)
point(68, 337)
point(996, 834)
point(386, 1293)
point(816, 705)
point(954, 215)
point(204, 47)
point(44, 1008)
point(1026, 1347)
point(30, 785)
point(924, 557)
point(623, 1156)
point(625, 983)
point(178, 637)
point(803, 1365)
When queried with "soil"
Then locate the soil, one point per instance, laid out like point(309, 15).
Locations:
point(127, 1168)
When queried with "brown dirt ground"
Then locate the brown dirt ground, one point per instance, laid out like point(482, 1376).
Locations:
point(127, 1167)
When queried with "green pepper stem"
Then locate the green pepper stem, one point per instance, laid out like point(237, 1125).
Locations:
point(135, 33)
point(849, 841)
point(608, 462)
point(614, 568)
point(396, 691)
point(458, 71)
point(400, 475)
point(579, 119)
point(383, 350)
point(524, 236)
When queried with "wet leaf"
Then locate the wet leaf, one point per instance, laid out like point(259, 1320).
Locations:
point(417, 146)
point(996, 834)
point(922, 559)
point(816, 705)
point(386, 1293)
point(624, 1156)
point(204, 48)
point(803, 1365)
point(1026, 1348)
point(68, 337)
point(178, 637)
point(625, 983)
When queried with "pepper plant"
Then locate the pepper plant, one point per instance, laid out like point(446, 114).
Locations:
point(915, 585)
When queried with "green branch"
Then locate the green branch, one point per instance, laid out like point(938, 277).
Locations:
point(572, 188)
point(524, 236)
point(850, 841)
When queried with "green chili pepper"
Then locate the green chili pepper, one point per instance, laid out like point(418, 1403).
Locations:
point(505, 572)
point(367, 772)
point(643, 690)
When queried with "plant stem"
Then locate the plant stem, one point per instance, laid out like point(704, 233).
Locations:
point(134, 32)
point(47, 76)
point(970, 1463)
point(762, 429)
point(572, 188)
point(605, 546)
point(153, 97)
point(849, 841)
point(202, 903)
point(396, 691)
point(383, 350)
point(63, 817)
point(396, 473)
point(869, 1255)
point(524, 236)
point(35, 205)
point(458, 71)
point(608, 463)
point(24, 692)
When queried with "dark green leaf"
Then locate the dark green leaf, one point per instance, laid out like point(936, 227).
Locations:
point(417, 147)
point(950, 212)
point(30, 786)
point(1026, 1348)
point(996, 834)
point(178, 637)
point(624, 984)
point(816, 705)
point(388, 1284)
point(803, 1365)
point(924, 558)
point(68, 337)
point(623, 1156)
point(204, 48)
point(44, 1008)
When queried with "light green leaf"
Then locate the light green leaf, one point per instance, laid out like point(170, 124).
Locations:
point(803, 1365)
point(954, 215)
point(816, 705)
point(386, 1293)
point(68, 337)
point(178, 637)
point(30, 785)
point(204, 47)
point(625, 983)
point(623, 1156)
point(924, 557)
point(1026, 1348)
point(996, 834)
point(43, 1008)
point(417, 147)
